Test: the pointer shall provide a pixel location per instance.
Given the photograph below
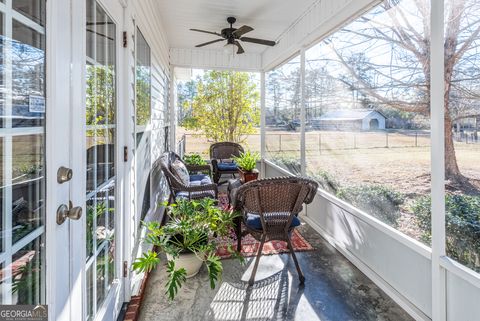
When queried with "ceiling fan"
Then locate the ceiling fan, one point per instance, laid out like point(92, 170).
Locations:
point(233, 35)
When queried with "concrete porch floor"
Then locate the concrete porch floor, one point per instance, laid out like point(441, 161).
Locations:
point(334, 290)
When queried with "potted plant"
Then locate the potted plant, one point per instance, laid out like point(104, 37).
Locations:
point(189, 240)
point(247, 163)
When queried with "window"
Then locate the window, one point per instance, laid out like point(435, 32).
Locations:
point(367, 114)
point(216, 106)
point(101, 135)
point(143, 134)
point(282, 118)
point(462, 128)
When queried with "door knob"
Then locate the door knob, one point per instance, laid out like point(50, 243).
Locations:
point(64, 174)
point(64, 212)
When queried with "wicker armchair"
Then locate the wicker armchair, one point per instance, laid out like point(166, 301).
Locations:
point(220, 152)
point(270, 207)
point(194, 191)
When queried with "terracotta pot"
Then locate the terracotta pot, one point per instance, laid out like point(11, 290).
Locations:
point(247, 176)
point(189, 261)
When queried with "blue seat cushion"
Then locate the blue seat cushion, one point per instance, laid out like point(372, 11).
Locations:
point(254, 221)
point(227, 166)
point(200, 179)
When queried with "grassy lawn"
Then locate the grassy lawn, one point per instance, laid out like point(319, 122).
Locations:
point(363, 159)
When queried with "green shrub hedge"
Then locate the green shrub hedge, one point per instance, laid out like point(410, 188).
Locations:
point(462, 226)
point(377, 200)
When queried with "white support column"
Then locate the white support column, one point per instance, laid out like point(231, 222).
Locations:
point(437, 158)
point(303, 162)
point(263, 151)
point(173, 111)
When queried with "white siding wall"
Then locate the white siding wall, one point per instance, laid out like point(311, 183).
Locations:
point(143, 14)
point(373, 115)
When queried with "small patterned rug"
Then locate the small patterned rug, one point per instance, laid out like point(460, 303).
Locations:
point(250, 245)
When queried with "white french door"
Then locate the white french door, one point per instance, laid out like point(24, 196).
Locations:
point(104, 292)
point(22, 151)
point(60, 170)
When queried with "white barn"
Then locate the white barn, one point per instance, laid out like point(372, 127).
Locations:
point(351, 119)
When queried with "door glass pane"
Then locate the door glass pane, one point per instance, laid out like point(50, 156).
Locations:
point(35, 10)
point(26, 273)
point(101, 135)
point(22, 150)
point(27, 184)
point(462, 129)
point(28, 76)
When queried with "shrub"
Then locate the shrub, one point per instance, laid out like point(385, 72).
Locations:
point(462, 222)
point(194, 159)
point(290, 163)
point(327, 181)
point(378, 201)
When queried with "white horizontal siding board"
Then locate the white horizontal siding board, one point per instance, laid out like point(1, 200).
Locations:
point(321, 19)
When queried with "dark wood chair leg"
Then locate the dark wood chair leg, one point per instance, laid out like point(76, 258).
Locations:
point(299, 270)
point(238, 231)
point(257, 260)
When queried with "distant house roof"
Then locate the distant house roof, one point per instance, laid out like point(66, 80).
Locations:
point(348, 114)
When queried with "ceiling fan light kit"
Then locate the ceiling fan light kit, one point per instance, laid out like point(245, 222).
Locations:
point(233, 36)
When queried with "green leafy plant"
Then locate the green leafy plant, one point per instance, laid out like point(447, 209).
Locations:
point(462, 222)
point(377, 200)
point(327, 181)
point(289, 162)
point(247, 160)
point(194, 159)
point(193, 227)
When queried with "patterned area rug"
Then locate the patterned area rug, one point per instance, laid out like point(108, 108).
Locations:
point(250, 245)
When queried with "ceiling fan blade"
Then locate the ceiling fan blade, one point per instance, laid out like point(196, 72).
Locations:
point(259, 41)
point(240, 48)
point(209, 42)
point(204, 31)
point(242, 30)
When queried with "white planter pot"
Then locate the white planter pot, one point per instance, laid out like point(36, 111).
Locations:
point(189, 261)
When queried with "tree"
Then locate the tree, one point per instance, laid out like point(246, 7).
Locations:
point(226, 106)
point(186, 92)
point(394, 67)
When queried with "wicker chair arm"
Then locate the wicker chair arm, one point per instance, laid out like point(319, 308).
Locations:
point(197, 168)
point(203, 188)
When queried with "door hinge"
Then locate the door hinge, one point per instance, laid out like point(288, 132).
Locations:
point(125, 40)
point(125, 269)
point(125, 153)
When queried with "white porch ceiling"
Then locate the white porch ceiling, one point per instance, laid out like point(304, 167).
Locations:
point(269, 18)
